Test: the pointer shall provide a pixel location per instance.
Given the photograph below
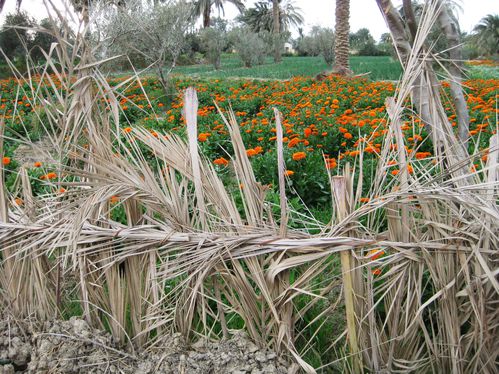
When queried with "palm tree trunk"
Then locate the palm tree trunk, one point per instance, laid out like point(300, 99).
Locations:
point(342, 42)
point(403, 47)
point(207, 16)
point(276, 31)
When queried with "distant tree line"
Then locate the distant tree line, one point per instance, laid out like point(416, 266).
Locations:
point(21, 33)
point(161, 34)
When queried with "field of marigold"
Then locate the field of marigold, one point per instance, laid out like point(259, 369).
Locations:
point(326, 123)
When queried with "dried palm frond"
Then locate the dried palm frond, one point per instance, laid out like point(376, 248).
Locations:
point(184, 258)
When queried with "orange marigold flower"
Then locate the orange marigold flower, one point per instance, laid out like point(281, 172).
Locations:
point(251, 152)
point(364, 199)
point(114, 199)
point(19, 201)
point(127, 129)
point(374, 254)
point(299, 156)
point(202, 137)
point(347, 135)
point(37, 164)
point(307, 132)
point(289, 173)
point(395, 172)
point(354, 153)
point(331, 163)
point(62, 190)
point(6, 160)
point(221, 161)
point(50, 175)
point(421, 155)
point(376, 271)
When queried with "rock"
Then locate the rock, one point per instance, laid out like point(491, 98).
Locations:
point(75, 347)
point(260, 357)
point(7, 369)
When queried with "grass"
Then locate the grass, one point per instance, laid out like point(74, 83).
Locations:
point(377, 68)
point(483, 72)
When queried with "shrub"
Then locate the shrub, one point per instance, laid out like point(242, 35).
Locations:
point(320, 42)
point(214, 40)
point(249, 45)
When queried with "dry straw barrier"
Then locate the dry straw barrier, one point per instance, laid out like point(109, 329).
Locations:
point(189, 259)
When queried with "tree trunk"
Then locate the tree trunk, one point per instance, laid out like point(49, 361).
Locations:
point(451, 32)
point(402, 43)
point(342, 41)
point(217, 62)
point(207, 16)
point(410, 18)
point(276, 31)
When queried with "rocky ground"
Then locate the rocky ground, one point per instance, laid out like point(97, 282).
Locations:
point(74, 347)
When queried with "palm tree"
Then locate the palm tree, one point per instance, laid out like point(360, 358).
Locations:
point(261, 16)
point(342, 43)
point(275, 19)
point(486, 34)
point(276, 31)
point(203, 8)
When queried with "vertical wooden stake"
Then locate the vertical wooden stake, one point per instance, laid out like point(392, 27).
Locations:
point(340, 198)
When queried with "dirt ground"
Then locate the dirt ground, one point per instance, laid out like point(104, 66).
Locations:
point(74, 347)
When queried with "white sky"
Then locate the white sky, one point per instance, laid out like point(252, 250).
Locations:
point(363, 13)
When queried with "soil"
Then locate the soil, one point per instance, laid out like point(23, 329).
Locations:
point(74, 347)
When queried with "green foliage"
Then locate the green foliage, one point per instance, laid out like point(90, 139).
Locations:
point(16, 41)
point(250, 47)
point(215, 41)
point(320, 42)
point(486, 35)
point(14, 38)
point(42, 40)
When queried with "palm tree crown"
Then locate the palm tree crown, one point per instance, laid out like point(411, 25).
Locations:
point(203, 8)
point(260, 17)
point(486, 34)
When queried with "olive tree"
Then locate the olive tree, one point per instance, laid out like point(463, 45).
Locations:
point(249, 45)
point(215, 40)
point(319, 42)
point(158, 33)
